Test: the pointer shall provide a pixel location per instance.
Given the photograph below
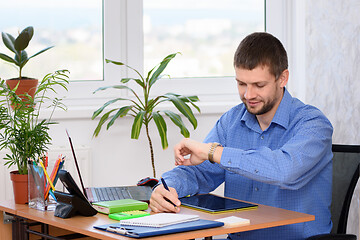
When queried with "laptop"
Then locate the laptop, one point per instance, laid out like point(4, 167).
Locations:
point(99, 194)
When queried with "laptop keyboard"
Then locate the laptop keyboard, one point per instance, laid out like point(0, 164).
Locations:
point(97, 194)
point(112, 193)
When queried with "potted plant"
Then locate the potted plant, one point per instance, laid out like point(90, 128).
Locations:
point(18, 46)
point(23, 132)
point(144, 109)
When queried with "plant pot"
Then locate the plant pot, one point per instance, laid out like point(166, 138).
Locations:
point(27, 85)
point(20, 187)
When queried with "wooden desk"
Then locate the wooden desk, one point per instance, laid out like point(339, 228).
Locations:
point(262, 217)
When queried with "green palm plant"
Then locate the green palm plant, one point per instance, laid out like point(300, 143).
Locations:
point(144, 109)
point(22, 131)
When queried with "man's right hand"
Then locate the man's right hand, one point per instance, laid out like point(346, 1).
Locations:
point(159, 197)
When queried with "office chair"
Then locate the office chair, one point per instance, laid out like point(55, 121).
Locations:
point(346, 166)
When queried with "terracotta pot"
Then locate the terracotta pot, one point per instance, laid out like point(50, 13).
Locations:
point(27, 85)
point(20, 187)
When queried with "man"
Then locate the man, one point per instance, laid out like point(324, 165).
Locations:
point(275, 150)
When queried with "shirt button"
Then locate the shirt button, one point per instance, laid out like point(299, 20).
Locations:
point(262, 137)
point(229, 162)
point(256, 171)
point(256, 189)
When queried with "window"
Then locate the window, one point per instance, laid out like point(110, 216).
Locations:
point(206, 32)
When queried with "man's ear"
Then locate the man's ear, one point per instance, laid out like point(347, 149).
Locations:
point(284, 77)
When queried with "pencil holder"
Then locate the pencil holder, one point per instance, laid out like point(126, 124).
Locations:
point(39, 198)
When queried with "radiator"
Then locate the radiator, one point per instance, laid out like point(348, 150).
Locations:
point(83, 156)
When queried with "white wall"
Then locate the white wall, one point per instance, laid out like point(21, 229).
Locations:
point(332, 83)
point(332, 64)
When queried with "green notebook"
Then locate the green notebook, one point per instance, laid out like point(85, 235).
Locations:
point(121, 205)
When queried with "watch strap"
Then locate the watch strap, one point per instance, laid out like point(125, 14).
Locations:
point(212, 151)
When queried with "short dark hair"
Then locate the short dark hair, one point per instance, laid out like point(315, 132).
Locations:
point(261, 48)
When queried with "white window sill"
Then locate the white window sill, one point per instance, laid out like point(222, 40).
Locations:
point(85, 112)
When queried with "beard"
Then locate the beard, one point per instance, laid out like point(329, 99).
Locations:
point(264, 109)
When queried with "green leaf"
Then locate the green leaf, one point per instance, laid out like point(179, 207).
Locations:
point(97, 112)
point(102, 120)
point(161, 126)
point(114, 62)
point(191, 100)
point(176, 119)
point(114, 87)
point(121, 113)
point(7, 58)
point(151, 104)
point(149, 73)
point(183, 108)
point(136, 127)
point(125, 80)
point(161, 68)
point(9, 41)
point(59, 78)
point(23, 59)
point(138, 81)
point(123, 64)
point(22, 41)
point(41, 51)
point(30, 31)
point(139, 104)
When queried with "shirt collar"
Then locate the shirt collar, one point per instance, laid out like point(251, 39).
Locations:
point(281, 116)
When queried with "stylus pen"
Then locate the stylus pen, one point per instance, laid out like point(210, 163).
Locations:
point(165, 185)
point(167, 188)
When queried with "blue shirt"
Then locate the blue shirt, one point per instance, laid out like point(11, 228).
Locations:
point(288, 165)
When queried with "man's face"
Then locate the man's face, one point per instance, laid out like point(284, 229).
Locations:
point(259, 90)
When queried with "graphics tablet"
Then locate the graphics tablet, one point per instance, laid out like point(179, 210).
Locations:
point(215, 204)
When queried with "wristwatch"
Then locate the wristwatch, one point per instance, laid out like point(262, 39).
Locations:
point(212, 150)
